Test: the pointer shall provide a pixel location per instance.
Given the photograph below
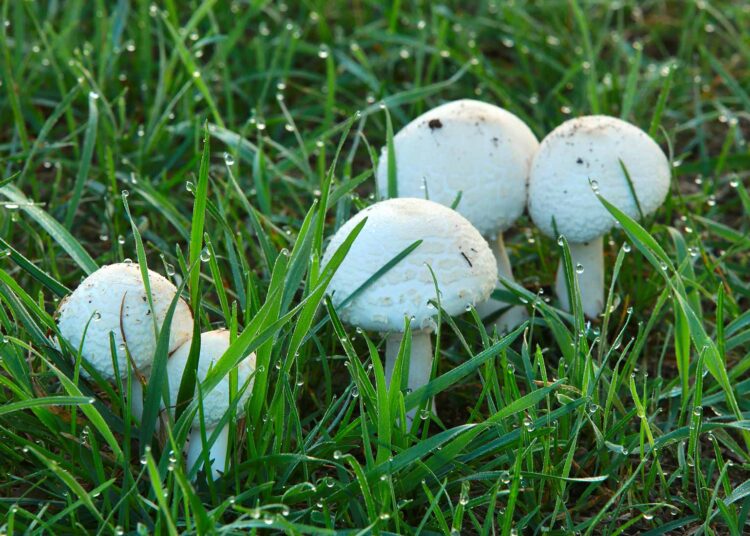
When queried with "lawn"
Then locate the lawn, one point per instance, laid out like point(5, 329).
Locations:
point(222, 144)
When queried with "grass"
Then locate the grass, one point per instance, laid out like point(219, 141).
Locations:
point(220, 143)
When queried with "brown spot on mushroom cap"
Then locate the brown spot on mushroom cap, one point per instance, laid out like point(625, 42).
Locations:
point(435, 123)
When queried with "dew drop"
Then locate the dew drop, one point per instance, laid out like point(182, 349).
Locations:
point(228, 159)
point(579, 268)
point(528, 424)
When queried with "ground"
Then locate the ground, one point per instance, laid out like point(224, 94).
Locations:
point(221, 144)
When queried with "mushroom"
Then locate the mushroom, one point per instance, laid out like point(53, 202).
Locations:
point(113, 300)
point(215, 403)
point(582, 157)
point(451, 248)
point(479, 152)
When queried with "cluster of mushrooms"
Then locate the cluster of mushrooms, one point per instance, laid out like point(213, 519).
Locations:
point(465, 172)
point(113, 304)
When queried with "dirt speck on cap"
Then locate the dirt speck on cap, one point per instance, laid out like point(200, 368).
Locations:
point(435, 123)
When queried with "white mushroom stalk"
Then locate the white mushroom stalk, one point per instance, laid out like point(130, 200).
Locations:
point(577, 160)
point(420, 362)
point(215, 403)
point(588, 268)
point(478, 154)
point(113, 300)
point(451, 248)
point(516, 314)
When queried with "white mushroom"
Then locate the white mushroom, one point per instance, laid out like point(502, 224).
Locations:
point(113, 300)
point(216, 403)
point(579, 158)
point(480, 152)
point(460, 258)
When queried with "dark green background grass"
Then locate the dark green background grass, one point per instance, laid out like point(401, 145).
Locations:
point(636, 422)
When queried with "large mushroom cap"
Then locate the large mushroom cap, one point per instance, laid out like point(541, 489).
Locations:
point(590, 149)
point(114, 300)
point(215, 404)
point(463, 264)
point(475, 148)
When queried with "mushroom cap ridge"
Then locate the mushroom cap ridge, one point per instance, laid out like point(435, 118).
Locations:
point(467, 146)
point(586, 149)
point(463, 264)
point(116, 292)
point(215, 404)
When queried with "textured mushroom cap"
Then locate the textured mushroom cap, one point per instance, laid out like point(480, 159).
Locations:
point(114, 299)
point(467, 146)
point(215, 404)
point(463, 264)
point(591, 148)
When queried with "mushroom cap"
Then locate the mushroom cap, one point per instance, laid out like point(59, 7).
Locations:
point(467, 146)
point(114, 300)
point(215, 404)
point(587, 149)
point(463, 264)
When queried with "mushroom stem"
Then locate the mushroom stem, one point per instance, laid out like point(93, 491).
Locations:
point(217, 452)
point(136, 398)
point(590, 255)
point(516, 314)
point(420, 363)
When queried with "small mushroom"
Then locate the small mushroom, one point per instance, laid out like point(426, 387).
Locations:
point(215, 403)
point(113, 300)
point(480, 152)
point(451, 247)
point(578, 159)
